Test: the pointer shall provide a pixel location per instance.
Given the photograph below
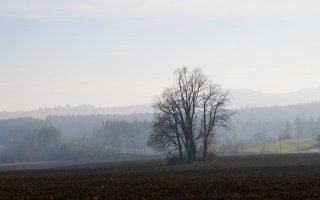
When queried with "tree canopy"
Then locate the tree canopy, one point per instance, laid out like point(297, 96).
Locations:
point(187, 113)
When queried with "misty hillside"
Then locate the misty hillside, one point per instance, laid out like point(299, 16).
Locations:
point(242, 98)
point(79, 124)
point(76, 124)
point(42, 113)
point(246, 121)
point(272, 120)
point(278, 113)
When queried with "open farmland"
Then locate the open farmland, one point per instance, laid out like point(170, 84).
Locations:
point(279, 176)
point(287, 146)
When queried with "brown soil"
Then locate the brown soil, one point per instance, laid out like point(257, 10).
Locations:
point(290, 176)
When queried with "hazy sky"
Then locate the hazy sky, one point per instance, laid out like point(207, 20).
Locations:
point(116, 53)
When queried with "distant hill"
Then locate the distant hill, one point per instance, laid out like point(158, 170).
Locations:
point(278, 113)
point(42, 113)
point(242, 98)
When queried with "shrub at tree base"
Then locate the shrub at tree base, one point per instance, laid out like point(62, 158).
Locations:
point(173, 160)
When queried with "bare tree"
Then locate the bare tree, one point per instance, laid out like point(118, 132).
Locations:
point(214, 113)
point(186, 114)
point(190, 87)
point(166, 132)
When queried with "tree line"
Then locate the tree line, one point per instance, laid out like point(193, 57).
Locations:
point(48, 143)
point(17, 128)
point(42, 144)
point(245, 122)
point(250, 131)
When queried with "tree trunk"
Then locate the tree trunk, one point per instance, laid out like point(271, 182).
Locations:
point(205, 148)
point(193, 151)
point(180, 150)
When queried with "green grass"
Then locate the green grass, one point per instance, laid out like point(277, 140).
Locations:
point(287, 146)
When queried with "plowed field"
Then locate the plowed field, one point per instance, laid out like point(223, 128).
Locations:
point(285, 176)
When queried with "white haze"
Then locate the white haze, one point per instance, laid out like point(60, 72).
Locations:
point(122, 53)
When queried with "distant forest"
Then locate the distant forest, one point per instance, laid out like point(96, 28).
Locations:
point(130, 132)
point(29, 139)
point(246, 122)
point(273, 120)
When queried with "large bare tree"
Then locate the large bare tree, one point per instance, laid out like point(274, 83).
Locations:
point(187, 113)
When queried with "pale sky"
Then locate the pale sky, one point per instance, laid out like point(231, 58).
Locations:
point(116, 53)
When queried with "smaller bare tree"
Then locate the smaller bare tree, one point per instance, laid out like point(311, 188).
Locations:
point(214, 113)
